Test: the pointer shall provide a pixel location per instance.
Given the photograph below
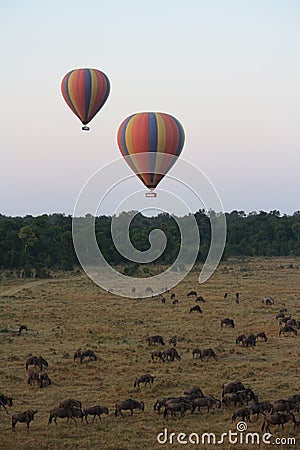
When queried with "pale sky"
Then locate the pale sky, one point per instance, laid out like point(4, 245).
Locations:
point(229, 70)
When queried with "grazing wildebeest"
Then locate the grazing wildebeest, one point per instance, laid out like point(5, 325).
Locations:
point(158, 354)
point(70, 403)
point(171, 354)
point(191, 294)
point(268, 301)
point(195, 392)
point(95, 411)
point(240, 339)
point(287, 329)
point(77, 354)
point(44, 380)
point(175, 301)
point(4, 400)
point(176, 406)
point(33, 377)
point(227, 322)
point(63, 413)
point(209, 402)
point(128, 404)
point(262, 335)
point(277, 419)
point(152, 340)
point(196, 308)
point(88, 354)
point(41, 362)
point(200, 299)
point(26, 416)
point(196, 351)
point(209, 353)
point(147, 379)
point(21, 328)
point(247, 395)
point(173, 341)
point(31, 361)
point(243, 413)
point(233, 386)
point(249, 341)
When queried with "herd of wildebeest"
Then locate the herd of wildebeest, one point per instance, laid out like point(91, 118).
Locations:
point(234, 394)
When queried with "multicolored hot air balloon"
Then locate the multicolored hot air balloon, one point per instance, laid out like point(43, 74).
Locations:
point(85, 92)
point(151, 142)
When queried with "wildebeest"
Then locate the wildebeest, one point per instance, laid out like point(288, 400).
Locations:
point(240, 339)
point(171, 354)
point(70, 403)
point(233, 386)
point(174, 406)
point(21, 328)
point(268, 301)
point(259, 408)
point(287, 329)
point(262, 335)
point(208, 353)
point(196, 351)
point(42, 362)
point(200, 299)
point(95, 411)
point(249, 341)
point(194, 392)
point(196, 308)
point(153, 340)
point(243, 413)
point(191, 294)
point(88, 354)
point(283, 406)
point(36, 361)
point(147, 379)
point(173, 296)
point(227, 322)
point(4, 400)
point(44, 380)
point(173, 341)
point(277, 419)
point(26, 416)
point(209, 402)
point(77, 354)
point(158, 354)
point(33, 377)
point(65, 412)
point(128, 404)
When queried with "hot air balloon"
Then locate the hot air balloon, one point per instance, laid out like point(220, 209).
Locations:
point(85, 92)
point(151, 142)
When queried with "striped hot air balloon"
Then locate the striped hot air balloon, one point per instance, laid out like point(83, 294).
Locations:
point(151, 142)
point(85, 92)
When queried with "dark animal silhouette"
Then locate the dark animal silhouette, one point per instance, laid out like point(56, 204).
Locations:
point(240, 339)
point(33, 377)
point(4, 400)
point(147, 379)
point(196, 308)
point(95, 411)
point(171, 354)
point(234, 386)
point(227, 322)
point(70, 403)
point(195, 392)
point(208, 402)
point(287, 329)
point(21, 328)
point(176, 406)
point(268, 301)
point(200, 299)
point(128, 404)
point(65, 413)
point(262, 335)
point(196, 351)
point(88, 354)
point(24, 417)
point(208, 353)
point(77, 354)
point(173, 341)
point(243, 413)
point(158, 354)
point(44, 380)
point(191, 294)
point(153, 340)
point(277, 419)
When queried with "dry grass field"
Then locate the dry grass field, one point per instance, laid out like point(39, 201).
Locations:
point(69, 311)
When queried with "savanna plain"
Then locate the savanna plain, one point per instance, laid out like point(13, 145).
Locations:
point(69, 311)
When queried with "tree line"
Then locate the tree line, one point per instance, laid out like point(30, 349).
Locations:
point(45, 243)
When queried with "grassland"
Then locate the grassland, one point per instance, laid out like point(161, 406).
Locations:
point(69, 311)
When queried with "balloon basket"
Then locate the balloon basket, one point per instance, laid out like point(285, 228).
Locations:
point(151, 195)
point(85, 128)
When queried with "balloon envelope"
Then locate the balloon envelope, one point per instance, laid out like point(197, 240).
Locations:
point(85, 92)
point(151, 142)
